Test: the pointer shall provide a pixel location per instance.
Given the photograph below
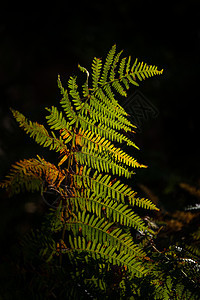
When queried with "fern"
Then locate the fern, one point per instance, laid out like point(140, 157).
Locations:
point(31, 175)
point(96, 212)
point(97, 250)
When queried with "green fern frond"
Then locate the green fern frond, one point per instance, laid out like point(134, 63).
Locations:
point(98, 251)
point(92, 141)
point(39, 133)
point(103, 105)
point(115, 211)
point(107, 65)
point(92, 227)
point(66, 104)
point(122, 67)
point(119, 88)
point(85, 86)
point(142, 71)
point(127, 74)
point(104, 115)
point(73, 91)
point(101, 129)
point(114, 66)
point(57, 121)
point(96, 71)
point(123, 214)
point(96, 210)
point(101, 162)
point(107, 88)
point(103, 186)
point(142, 202)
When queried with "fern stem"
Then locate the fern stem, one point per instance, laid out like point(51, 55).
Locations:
point(70, 160)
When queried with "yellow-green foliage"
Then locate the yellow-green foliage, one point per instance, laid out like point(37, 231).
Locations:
point(98, 209)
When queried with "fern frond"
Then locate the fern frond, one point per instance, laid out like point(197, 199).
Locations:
point(91, 141)
point(119, 88)
point(30, 175)
point(117, 212)
point(92, 227)
point(85, 85)
point(97, 251)
point(73, 90)
point(103, 115)
point(127, 74)
point(40, 134)
point(101, 162)
point(142, 202)
point(122, 67)
point(103, 185)
point(110, 94)
point(96, 209)
point(123, 214)
point(142, 71)
point(66, 104)
point(87, 124)
point(96, 71)
point(107, 65)
point(114, 66)
point(103, 105)
point(57, 121)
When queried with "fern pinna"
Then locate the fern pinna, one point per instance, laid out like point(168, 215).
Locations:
point(96, 210)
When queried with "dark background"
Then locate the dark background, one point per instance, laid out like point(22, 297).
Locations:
point(37, 46)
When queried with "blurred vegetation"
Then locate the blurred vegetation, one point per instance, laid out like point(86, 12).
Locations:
point(35, 47)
